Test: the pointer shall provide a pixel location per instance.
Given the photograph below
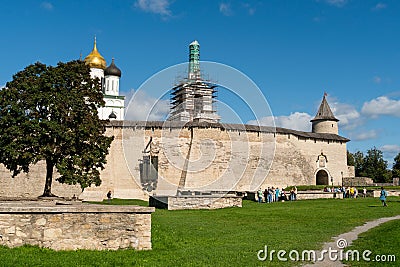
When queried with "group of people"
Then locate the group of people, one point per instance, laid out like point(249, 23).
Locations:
point(272, 194)
point(349, 192)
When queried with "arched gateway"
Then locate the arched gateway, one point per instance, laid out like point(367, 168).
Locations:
point(322, 177)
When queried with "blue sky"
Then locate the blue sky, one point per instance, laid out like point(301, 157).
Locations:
point(293, 50)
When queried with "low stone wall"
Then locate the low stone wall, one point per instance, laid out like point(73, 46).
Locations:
point(357, 181)
point(390, 193)
point(70, 227)
point(195, 202)
point(302, 195)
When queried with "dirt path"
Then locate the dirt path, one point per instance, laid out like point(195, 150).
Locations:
point(345, 240)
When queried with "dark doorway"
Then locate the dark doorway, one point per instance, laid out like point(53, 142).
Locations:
point(149, 173)
point(322, 178)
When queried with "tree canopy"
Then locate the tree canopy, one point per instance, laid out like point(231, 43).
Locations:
point(350, 159)
point(396, 166)
point(50, 113)
point(375, 166)
point(370, 165)
point(358, 163)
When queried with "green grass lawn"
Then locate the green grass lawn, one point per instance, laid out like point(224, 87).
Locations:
point(225, 237)
point(383, 242)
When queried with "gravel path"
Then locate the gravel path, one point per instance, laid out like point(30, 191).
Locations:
point(345, 240)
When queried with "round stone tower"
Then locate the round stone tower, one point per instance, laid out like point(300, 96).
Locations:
point(325, 121)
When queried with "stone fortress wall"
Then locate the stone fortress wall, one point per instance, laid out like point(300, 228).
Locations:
point(31, 185)
point(199, 157)
point(210, 158)
point(166, 157)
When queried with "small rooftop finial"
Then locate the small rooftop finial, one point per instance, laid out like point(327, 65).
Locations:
point(325, 94)
point(95, 43)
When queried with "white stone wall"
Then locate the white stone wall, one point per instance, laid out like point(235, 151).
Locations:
point(71, 227)
point(229, 160)
point(219, 160)
point(325, 127)
point(351, 171)
point(31, 185)
point(318, 195)
point(112, 105)
point(196, 202)
point(111, 85)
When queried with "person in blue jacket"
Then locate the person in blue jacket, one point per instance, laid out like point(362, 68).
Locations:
point(383, 196)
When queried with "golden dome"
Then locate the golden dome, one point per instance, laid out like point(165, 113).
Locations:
point(94, 59)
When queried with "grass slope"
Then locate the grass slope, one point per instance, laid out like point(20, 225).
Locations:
point(226, 237)
point(383, 241)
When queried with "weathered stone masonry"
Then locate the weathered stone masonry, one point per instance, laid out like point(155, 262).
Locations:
point(70, 227)
point(224, 157)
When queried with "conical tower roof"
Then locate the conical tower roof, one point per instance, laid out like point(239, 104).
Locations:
point(324, 112)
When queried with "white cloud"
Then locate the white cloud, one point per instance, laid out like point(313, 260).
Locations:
point(366, 135)
point(337, 3)
point(317, 19)
point(144, 107)
point(377, 79)
point(159, 7)
point(297, 121)
point(390, 151)
point(349, 117)
point(379, 6)
point(381, 106)
point(390, 148)
point(47, 5)
point(225, 9)
point(250, 9)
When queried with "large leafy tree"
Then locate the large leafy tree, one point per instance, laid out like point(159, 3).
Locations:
point(396, 166)
point(350, 159)
point(375, 166)
point(358, 158)
point(50, 113)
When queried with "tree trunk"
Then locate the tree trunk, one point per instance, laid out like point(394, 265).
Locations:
point(49, 178)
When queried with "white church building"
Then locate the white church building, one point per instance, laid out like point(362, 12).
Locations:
point(109, 77)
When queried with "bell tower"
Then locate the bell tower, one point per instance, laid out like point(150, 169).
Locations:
point(192, 99)
point(324, 121)
point(109, 77)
